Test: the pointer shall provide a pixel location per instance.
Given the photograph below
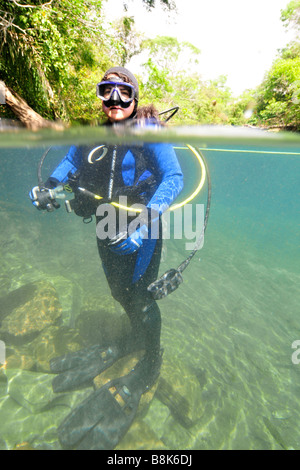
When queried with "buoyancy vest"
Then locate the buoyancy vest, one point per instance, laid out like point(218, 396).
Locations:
point(111, 171)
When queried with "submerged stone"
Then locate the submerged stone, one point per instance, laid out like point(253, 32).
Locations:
point(179, 390)
point(29, 310)
point(52, 342)
point(16, 298)
point(140, 437)
point(102, 326)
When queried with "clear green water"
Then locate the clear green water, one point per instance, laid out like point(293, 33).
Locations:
point(227, 331)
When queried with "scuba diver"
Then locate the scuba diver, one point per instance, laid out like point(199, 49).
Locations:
point(144, 173)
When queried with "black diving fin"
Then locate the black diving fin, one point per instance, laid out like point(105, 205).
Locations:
point(112, 406)
point(101, 420)
point(78, 369)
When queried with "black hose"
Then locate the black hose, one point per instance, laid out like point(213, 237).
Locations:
point(187, 261)
point(175, 109)
point(39, 169)
point(172, 278)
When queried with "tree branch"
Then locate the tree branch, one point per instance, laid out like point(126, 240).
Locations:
point(31, 6)
point(8, 23)
point(31, 119)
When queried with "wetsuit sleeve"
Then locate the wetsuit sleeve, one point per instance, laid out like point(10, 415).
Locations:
point(166, 164)
point(69, 165)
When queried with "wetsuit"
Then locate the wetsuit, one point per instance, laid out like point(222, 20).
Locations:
point(148, 174)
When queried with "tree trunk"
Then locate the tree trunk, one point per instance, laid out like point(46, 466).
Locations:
point(24, 112)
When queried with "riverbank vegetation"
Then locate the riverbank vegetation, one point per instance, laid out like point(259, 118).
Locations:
point(52, 54)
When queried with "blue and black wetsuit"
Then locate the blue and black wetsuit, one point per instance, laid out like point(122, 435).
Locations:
point(149, 174)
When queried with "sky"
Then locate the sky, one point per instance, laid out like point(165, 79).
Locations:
point(237, 38)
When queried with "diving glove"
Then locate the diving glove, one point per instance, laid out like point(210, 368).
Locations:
point(126, 243)
point(44, 199)
point(126, 246)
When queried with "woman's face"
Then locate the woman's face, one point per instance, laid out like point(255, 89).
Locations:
point(117, 113)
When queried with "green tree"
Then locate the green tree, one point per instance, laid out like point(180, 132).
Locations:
point(241, 111)
point(127, 40)
point(53, 52)
point(290, 16)
point(205, 102)
point(45, 48)
point(170, 54)
point(171, 82)
point(163, 69)
point(278, 97)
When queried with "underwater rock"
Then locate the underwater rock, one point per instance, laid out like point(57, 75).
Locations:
point(51, 342)
point(23, 446)
point(29, 310)
point(15, 299)
point(94, 301)
point(29, 327)
point(69, 294)
point(33, 392)
point(102, 326)
point(5, 283)
point(178, 389)
point(31, 411)
point(177, 404)
point(140, 437)
point(34, 351)
point(3, 383)
point(20, 360)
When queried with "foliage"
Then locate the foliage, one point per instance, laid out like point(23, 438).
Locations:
point(53, 53)
point(127, 41)
point(291, 51)
point(150, 4)
point(47, 48)
point(241, 111)
point(291, 15)
point(168, 53)
point(279, 95)
point(169, 81)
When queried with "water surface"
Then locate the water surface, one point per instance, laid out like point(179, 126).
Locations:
point(227, 331)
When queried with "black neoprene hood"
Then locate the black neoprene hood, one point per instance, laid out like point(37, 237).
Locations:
point(128, 74)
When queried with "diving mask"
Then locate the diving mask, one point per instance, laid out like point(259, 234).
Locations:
point(116, 93)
